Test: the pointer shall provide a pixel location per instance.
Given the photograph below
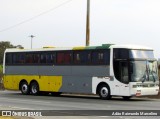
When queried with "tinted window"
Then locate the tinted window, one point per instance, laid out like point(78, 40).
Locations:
point(8, 58)
point(121, 53)
point(82, 57)
point(101, 57)
point(64, 57)
point(31, 58)
point(85, 57)
point(18, 58)
point(141, 54)
point(47, 57)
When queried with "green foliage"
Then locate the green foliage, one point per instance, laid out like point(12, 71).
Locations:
point(1, 69)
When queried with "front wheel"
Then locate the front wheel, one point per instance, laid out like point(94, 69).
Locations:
point(34, 88)
point(104, 92)
point(24, 87)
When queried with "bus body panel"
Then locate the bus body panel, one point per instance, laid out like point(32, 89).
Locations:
point(142, 89)
point(116, 87)
point(46, 83)
point(77, 84)
point(75, 78)
point(58, 70)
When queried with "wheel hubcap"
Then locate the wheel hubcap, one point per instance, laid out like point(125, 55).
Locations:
point(104, 92)
point(25, 88)
point(34, 89)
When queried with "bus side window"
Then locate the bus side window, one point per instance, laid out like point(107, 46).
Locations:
point(100, 57)
point(67, 58)
point(64, 58)
point(95, 57)
point(36, 58)
point(82, 57)
point(29, 58)
point(43, 58)
point(60, 58)
point(50, 57)
point(77, 58)
point(18, 58)
point(8, 58)
point(123, 72)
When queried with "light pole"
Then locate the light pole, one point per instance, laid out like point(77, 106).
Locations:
point(88, 24)
point(32, 36)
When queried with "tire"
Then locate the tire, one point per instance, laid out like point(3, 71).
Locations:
point(104, 92)
point(34, 88)
point(24, 87)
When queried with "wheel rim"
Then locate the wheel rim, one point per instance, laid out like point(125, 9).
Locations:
point(104, 92)
point(24, 88)
point(34, 89)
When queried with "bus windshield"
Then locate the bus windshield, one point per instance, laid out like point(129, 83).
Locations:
point(143, 71)
point(141, 54)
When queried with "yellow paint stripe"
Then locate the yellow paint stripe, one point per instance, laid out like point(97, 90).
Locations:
point(46, 83)
point(2, 117)
point(79, 48)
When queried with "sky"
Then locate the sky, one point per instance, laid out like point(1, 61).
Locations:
point(62, 23)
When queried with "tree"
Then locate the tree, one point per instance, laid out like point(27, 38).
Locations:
point(3, 46)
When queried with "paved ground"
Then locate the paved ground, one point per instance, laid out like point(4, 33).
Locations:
point(11, 100)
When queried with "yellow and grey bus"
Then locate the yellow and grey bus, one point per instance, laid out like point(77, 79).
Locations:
point(107, 70)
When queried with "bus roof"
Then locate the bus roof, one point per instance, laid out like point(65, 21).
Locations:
point(131, 46)
point(104, 46)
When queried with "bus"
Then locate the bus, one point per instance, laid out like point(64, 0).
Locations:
point(107, 70)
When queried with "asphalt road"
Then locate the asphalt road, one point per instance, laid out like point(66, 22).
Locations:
point(16, 101)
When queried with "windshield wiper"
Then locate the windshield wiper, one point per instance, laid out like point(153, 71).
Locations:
point(153, 76)
point(144, 78)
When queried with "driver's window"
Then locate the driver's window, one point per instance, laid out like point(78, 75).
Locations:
point(124, 72)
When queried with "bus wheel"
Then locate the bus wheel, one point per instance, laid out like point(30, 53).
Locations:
point(24, 87)
point(34, 88)
point(104, 92)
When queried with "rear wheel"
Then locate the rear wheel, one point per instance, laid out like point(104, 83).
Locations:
point(34, 88)
point(104, 92)
point(24, 87)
